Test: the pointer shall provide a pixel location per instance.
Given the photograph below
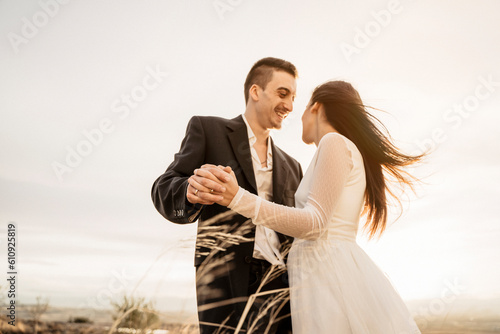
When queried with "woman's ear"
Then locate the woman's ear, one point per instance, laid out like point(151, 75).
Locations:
point(315, 107)
point(322, 112)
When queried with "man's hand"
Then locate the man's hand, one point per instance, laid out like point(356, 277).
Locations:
point(207, 184)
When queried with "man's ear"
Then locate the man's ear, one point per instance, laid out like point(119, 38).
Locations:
point(254, 92)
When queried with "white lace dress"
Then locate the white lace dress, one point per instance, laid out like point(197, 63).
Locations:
point(334, 286)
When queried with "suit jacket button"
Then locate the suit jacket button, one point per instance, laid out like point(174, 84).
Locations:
point(248, 259)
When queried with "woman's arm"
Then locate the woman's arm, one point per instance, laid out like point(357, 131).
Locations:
point(333, 166)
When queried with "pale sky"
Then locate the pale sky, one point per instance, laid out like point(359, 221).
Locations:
point(89, 233)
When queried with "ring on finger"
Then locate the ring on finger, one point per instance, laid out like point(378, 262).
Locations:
point(211, 191)
point(196, 192)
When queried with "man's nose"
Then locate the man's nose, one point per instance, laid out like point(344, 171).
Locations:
point(289, 105)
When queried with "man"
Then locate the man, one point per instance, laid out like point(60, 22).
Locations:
point(243, 143)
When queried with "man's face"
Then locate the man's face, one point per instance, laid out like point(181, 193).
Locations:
point(276, 101)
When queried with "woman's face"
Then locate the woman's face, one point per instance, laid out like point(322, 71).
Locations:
point(308, 124)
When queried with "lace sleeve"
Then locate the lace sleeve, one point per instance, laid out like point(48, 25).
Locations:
point(330, 175)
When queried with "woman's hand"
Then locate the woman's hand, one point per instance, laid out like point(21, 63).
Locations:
point(204, 178)
point(232, 187)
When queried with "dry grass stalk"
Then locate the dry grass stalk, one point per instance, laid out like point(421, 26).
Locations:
point(215, 238)
point(272, 306)
point(129, 311)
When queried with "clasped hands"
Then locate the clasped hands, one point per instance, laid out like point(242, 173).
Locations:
point(211, 184)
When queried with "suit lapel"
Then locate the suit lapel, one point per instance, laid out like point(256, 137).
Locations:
point(239, 142)
point(280, 174)
point(241, 148)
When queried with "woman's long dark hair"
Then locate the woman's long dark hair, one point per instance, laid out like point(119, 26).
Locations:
point(346, 112)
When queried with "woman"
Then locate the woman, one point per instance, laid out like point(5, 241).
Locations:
point(334, 285)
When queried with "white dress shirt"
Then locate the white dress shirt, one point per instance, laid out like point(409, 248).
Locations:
point(267, 243)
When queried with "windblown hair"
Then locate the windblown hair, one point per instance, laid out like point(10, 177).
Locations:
point(383, 161)
point(262, 72)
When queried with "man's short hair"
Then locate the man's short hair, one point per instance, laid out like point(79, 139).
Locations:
point(262, 72)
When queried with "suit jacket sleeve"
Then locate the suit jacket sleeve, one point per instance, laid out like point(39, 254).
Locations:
point(169, 190)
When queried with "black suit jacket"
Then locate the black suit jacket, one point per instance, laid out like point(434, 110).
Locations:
point(219, 141)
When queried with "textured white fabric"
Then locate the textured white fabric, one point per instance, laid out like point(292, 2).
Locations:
point(334, 286)
point(267, 243)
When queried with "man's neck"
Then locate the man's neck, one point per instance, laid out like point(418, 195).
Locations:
point(261, 134)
